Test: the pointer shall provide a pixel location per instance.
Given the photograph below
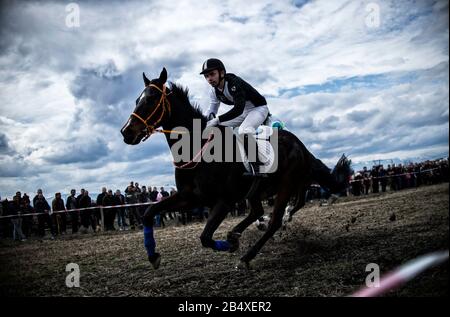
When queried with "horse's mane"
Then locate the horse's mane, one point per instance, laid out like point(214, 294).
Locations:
point(182, 93)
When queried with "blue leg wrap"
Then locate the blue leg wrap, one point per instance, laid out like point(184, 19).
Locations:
point(149, 240)
point(221, 245)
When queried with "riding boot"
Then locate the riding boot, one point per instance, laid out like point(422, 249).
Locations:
point(254, 166)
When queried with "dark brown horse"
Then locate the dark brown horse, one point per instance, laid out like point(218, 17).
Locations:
point(219, 185)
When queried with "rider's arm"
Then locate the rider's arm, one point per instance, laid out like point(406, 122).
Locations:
point(214, 103)
point(239, 98)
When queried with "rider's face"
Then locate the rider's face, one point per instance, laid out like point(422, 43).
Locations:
point(212, 78)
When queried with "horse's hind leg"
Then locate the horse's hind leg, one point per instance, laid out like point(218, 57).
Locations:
point(256, 211)
point(274, 224)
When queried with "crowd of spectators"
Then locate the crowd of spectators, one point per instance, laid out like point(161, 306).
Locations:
point(392, 178)
point(398, 176)
point(59, 216)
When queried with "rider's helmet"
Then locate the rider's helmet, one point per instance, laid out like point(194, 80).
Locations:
point(212, 64)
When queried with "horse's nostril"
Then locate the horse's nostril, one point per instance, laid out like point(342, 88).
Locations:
point(126, 131)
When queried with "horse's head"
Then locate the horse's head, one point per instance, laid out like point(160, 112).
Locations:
point(152, 108)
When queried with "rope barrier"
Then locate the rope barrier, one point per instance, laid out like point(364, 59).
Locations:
point(78, 209)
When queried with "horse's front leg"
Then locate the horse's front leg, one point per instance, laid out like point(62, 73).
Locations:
point(217, 215)
point(172, 203)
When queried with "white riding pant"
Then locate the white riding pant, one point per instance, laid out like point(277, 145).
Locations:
point(250, 119)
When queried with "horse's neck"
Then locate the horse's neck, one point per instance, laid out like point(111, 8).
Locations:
point(183, 116)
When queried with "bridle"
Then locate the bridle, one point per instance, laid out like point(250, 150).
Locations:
point(150, 128)
point(166, 107)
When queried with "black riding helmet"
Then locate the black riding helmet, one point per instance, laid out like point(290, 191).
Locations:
point(212, 64)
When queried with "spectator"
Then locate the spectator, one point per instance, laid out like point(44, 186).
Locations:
point(391, 174)
point(359, 188)
point(27, 222)
point(99, 202)
point(25, 198)
point(59, 218)
point(42, 207)
point(366, 180)
point(71, 204)
point(398, 172)
point(109, 213)
point(375, 179)
point(15, 209)
point(121, 214)
point(82, 191)
point(137, 188)
point(2, 226)
point(4, 222)
point(133, 212)
point(129, 187)
point(144, 197)
point(164, 193)
point(87, 217)
point(154, 195)
point(39, 192)
point(383, 178)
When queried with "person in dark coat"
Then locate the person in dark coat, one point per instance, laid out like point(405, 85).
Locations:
point(59, 218)
point(71, 204)
point(119, 200)
point(109, 213)
point(42, 207)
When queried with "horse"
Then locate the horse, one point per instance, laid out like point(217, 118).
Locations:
point(220, 185)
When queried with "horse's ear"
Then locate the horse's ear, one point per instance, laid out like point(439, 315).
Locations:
point(146, 80)
point(163, 76)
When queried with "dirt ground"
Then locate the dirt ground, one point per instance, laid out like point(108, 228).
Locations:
point(323, 252)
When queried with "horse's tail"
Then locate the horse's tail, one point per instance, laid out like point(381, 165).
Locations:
point(337, 180)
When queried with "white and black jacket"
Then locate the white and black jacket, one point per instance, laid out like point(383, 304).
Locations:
point(236, 92)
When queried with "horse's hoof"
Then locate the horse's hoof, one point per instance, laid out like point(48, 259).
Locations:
point(155, 260)
point(242, 265)
point(233, 246)
point(262, 227)
point(233, 239)
point(333, 198)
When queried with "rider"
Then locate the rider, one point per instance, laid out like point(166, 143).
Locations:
point(249, 106)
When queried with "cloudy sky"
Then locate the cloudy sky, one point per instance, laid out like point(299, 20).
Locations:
point(365, 78)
